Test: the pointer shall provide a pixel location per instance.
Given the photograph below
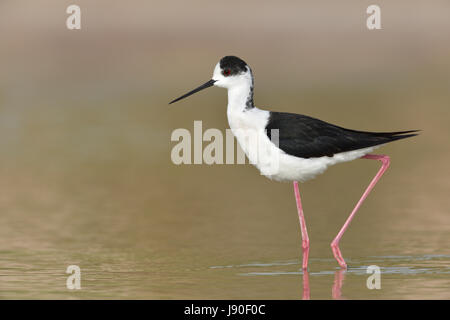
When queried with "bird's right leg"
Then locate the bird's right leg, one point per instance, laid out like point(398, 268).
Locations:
point(301, 217)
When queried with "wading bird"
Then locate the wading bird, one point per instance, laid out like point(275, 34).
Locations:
point(304, 146)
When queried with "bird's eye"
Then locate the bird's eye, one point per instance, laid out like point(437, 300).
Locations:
point(226, 72)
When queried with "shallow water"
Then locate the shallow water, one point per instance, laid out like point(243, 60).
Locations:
point(102, 194)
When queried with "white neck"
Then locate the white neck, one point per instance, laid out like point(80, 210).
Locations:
point(240, 98)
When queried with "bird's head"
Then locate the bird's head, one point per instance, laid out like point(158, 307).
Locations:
point(230, 72)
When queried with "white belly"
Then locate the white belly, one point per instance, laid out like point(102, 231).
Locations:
point(249, 130)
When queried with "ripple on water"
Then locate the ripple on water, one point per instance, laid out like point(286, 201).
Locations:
point(433, 267)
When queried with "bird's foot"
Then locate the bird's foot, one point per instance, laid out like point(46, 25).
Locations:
point(337, 254)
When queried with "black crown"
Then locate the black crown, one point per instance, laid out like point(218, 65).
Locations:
point(234, 64)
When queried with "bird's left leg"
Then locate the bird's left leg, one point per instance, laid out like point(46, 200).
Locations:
point(335, 244)
point(301, 217)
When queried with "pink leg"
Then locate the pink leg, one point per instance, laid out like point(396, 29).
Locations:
point(305, 239)
point(335, 244)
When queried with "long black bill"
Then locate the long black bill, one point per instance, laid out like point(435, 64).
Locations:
point(203, 86)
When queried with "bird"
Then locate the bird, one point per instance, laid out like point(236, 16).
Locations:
point(293, 147)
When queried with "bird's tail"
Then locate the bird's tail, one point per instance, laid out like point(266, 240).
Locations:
point(393, 136)
point(413, 133)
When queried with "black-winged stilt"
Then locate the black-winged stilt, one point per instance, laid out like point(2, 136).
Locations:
point(304, 146)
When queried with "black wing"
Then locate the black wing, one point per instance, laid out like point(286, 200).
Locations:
point(307, 137)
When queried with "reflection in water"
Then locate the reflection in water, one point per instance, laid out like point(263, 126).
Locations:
point(306, 288)
point(407, 270)
point(336, 289)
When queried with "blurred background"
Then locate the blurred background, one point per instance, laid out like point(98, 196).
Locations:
point(86, 176)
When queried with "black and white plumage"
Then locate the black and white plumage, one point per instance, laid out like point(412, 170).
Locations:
point(306, 146)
